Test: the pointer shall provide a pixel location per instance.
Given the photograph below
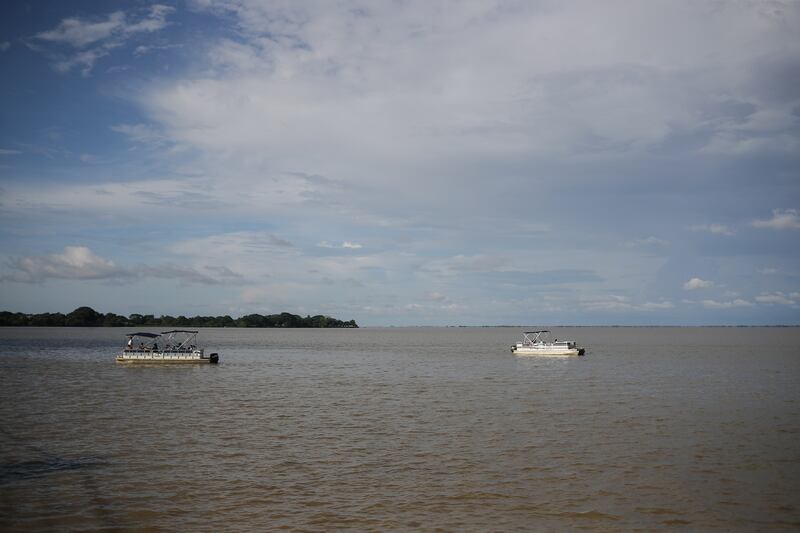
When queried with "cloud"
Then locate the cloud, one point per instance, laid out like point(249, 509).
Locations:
point(142, 49)
point(436, 296)
point(94, 39)
point(140, 133)
point(4, 46)
point(346, 245)
point(618, 303)
point(6, 151)
point(271, 294)
point(153, 21)
point(713, 304)
point(75, 262)
point(463, 263)
point(782, 219)
point(715, 229)
point(411, 78)
point(208, 275)
point(778, 298)
point(657, 305)
point(465, 149)
point(79, 33)
point(81, 263)
point(697, 283)
point(647, 242)
point(197, 196)
point(233, 245)
point(544, 277)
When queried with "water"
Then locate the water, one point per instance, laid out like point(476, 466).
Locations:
point(428, 429)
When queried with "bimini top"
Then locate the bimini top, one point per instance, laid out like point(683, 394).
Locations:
point(143, 334)
point(534, 332)
point(178, 331)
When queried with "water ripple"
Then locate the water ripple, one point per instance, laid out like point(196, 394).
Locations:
point(403, 429)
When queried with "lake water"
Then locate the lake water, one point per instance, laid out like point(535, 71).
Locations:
point(406, 429)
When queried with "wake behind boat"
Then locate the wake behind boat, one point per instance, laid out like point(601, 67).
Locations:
point(177, 346)
point(539, 343)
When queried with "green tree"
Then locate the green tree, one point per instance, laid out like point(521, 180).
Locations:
point(113, 321)
point(84, 316)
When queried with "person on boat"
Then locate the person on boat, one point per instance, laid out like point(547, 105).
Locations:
point(155, 346)
point(129, 346)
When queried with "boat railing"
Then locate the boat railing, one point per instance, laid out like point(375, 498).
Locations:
point(156, 350)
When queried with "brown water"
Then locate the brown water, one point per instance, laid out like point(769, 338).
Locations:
point(404, 429)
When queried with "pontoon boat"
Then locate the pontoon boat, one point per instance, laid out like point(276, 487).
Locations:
point(539, 343)
point(176, 346)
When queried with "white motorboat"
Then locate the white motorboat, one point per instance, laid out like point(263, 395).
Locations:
point(177, 346)
point(539, 343)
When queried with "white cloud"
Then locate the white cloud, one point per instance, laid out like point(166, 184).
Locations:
point(658, 305)
point(781, 219)
point(193, 197)
point(713, 304)
point(232, 245)
point(153, 21)
point(618, 303)
point(452, 121)
point(79, 33)
point(140, 133)
point(95, 39)
point(715, 229)
point(75, 262)
point(346, 245)
point(777, 298)
point(647, 242)
point(436, 296)
point(6, 151)
point(81, 263)
point(271, 294)
point(85, 59)
point(697, 283)
point(463, 263)
point(397, 79)
point(146, 49)
point(203, 275)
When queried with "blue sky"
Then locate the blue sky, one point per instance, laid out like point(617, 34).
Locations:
point(403, 163)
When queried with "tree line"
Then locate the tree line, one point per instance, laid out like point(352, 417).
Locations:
point(88, 317)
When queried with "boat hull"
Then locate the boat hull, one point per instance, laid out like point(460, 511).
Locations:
point(139, 357)
point(547, 352)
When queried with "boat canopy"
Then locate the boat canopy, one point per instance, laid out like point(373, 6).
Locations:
point(178, 331)
point(536, 337)
point(143, 334)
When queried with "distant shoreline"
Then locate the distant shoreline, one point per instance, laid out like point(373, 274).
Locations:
point(88, 317)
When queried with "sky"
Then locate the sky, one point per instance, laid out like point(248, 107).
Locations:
point(403, 162)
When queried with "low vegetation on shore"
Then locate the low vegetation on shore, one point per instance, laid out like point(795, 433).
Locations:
point(88, 317)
